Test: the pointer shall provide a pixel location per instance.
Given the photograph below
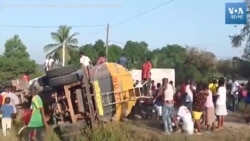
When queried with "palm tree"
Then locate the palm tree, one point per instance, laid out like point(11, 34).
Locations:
point(64, 44)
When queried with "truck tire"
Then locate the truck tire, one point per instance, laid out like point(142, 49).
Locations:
point(43, 81)
point(61, 71)
point(63, 80)
point(70, 131)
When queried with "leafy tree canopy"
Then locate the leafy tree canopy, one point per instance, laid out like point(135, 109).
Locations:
point(15, 60)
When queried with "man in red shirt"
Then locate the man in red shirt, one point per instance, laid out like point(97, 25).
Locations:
point(146, 75)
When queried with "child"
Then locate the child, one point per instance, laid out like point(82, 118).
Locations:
point(7, 111)
point(184, 114)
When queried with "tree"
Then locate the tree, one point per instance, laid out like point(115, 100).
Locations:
point(244, 35)
point(114, 53)
point(15, 60)
point(136, 53)
point(65, 43)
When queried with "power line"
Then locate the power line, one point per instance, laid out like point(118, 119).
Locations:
point(138, 15)
point(40, 26)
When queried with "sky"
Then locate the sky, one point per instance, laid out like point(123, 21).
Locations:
point(199, 23)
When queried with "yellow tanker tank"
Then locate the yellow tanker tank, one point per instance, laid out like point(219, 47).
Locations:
point(114, 91)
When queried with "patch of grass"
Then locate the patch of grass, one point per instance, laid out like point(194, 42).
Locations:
point(128, 131)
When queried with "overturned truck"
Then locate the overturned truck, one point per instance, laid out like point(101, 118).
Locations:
point(78, 98)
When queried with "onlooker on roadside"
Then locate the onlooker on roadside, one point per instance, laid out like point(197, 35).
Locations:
point(84, 60)
point(102, 59)
point(188, 94)
point(14, 100)
point(7, 111)
point(198, 108)
point(168, 105)
point(213, 86)
point(37, 122)
point(185, 115)
point(146, 75)
point(158, 101)
point(123, 60)
point(221, 108)
point(210, 117)
point(234, 93)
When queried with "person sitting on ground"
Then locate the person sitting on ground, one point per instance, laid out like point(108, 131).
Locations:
point(7, 111)
point(199, 100)
point(210, 117)
point(221, 108)
point(185, 116)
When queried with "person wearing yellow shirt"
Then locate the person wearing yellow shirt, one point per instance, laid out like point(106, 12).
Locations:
point(213, 88)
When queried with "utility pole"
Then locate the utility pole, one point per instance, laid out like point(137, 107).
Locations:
point(107, 42)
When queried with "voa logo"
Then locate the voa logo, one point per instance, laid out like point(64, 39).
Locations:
point(233, 10)
point(236, 13)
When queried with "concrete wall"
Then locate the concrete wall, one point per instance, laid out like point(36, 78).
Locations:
point(156, 74)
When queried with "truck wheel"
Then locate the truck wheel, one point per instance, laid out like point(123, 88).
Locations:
point(43, 81)
point(69, 131)
point(63, 80)
point(61, 71)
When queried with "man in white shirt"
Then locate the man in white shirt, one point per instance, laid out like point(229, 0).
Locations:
point(84, 60)
point(234, 94)
point(50, 63)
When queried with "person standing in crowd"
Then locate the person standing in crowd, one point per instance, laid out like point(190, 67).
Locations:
point(146, 75)
point(123, 60)
point(51, 63)
point(7, 111)
point(210, 117)
point(221, 108)
point(102, 59)
point(48, 64)
point(37, 122)
point(189, 94)
point(213, 86)
point(247, 99)
point(198, 108)
point(168, 104)
point(158, 101)
point(85, 62)
point(234, 94)
point(14, 100)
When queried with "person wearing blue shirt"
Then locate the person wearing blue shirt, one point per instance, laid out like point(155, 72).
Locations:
point(123, 61)
point(7, 111)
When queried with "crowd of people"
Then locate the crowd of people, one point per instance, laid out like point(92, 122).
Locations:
point(193, 107)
